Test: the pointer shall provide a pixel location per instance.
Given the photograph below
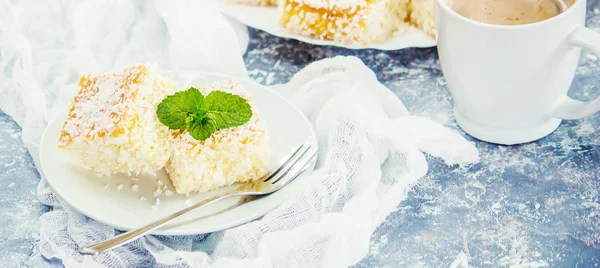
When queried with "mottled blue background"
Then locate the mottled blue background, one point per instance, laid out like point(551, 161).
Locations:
point(532, 205)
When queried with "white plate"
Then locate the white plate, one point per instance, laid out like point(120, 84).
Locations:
point(287, 127)
point(266, 19)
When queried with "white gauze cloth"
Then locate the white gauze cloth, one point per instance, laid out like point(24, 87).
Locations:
point(371, 149)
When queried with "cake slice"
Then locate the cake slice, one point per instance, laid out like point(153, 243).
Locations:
point(112, 125)
point(348, 21)
point(236, 154)
point(422, 15)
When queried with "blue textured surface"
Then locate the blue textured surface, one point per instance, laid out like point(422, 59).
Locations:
point(532, 205)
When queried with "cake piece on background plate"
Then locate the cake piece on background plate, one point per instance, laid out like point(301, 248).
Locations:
point(346, 21)
point(112, 125)
point(422, 15)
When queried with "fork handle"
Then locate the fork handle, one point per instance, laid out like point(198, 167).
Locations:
point(129, 236)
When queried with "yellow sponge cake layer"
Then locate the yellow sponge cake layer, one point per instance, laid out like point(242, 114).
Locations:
point(237, 154)
point(112, 125)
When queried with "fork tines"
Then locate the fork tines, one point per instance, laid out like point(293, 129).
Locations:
point(295, 159)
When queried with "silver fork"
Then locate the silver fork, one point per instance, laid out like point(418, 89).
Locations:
point(289, 168)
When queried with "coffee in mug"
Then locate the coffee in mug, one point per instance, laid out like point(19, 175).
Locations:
point(509, 12)
point(509, 80)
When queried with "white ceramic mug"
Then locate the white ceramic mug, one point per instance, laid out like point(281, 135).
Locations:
point(510, 82)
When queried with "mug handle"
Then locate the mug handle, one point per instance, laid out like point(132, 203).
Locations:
point(568, 108)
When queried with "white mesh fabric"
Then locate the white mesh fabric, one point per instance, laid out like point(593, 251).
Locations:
point(370, 147)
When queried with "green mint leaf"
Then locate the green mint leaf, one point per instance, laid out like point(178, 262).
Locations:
point(201, 129)
point(228, 110)
point(202, 116)
point(176, 110)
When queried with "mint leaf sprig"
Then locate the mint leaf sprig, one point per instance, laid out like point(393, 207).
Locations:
point(202, 116)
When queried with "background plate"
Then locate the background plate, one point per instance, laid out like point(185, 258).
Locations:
point(266, 19)
point(88, 193)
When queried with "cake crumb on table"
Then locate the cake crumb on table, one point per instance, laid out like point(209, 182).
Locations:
point(158, 192)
